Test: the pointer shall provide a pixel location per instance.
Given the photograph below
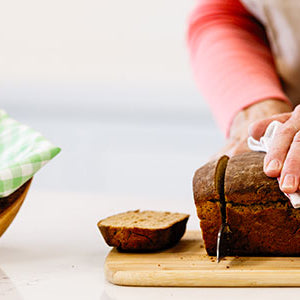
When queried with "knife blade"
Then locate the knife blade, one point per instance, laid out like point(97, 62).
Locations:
point(223, 241)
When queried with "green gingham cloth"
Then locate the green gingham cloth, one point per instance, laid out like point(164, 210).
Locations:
point(23, 151)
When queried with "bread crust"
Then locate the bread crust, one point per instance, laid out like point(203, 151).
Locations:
point(134, 239)
point(204, 183)
point(264, 230)
point(246, 183)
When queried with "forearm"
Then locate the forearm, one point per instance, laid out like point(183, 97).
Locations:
point(232, 62)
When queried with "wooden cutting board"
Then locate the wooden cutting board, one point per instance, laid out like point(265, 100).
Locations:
point(187, 264)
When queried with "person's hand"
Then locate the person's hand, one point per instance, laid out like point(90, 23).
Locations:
point(283, 157)
point(237, 141)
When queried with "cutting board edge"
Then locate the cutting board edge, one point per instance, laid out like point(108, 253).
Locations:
point(204, 279)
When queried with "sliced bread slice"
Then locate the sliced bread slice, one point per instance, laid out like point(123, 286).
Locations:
point(208, 187)
point(143, 230)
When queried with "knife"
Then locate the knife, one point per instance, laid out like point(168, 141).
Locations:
point(223, 241)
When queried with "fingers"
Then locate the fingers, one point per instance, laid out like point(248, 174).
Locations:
point(290, 174)
point(258, 128)
point(276, 156)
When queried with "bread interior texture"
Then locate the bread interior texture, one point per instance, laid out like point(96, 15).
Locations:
point(144, 219)
point(219, 183)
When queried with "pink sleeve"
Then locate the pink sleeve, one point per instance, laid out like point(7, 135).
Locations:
point(231, 59)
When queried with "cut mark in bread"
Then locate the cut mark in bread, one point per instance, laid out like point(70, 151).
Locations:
point(219, 184)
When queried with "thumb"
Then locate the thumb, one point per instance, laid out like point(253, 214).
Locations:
point(258, 128)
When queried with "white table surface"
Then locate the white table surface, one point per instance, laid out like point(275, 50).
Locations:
point(48, 254)
point(53, 249)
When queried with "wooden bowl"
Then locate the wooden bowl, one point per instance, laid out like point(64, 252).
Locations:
point(9, 206)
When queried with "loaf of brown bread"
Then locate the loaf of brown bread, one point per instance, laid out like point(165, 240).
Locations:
point(260, 216)
point(143, 230)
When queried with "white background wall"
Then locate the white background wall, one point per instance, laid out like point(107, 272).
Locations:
point(109, 82)
point(112, 56)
